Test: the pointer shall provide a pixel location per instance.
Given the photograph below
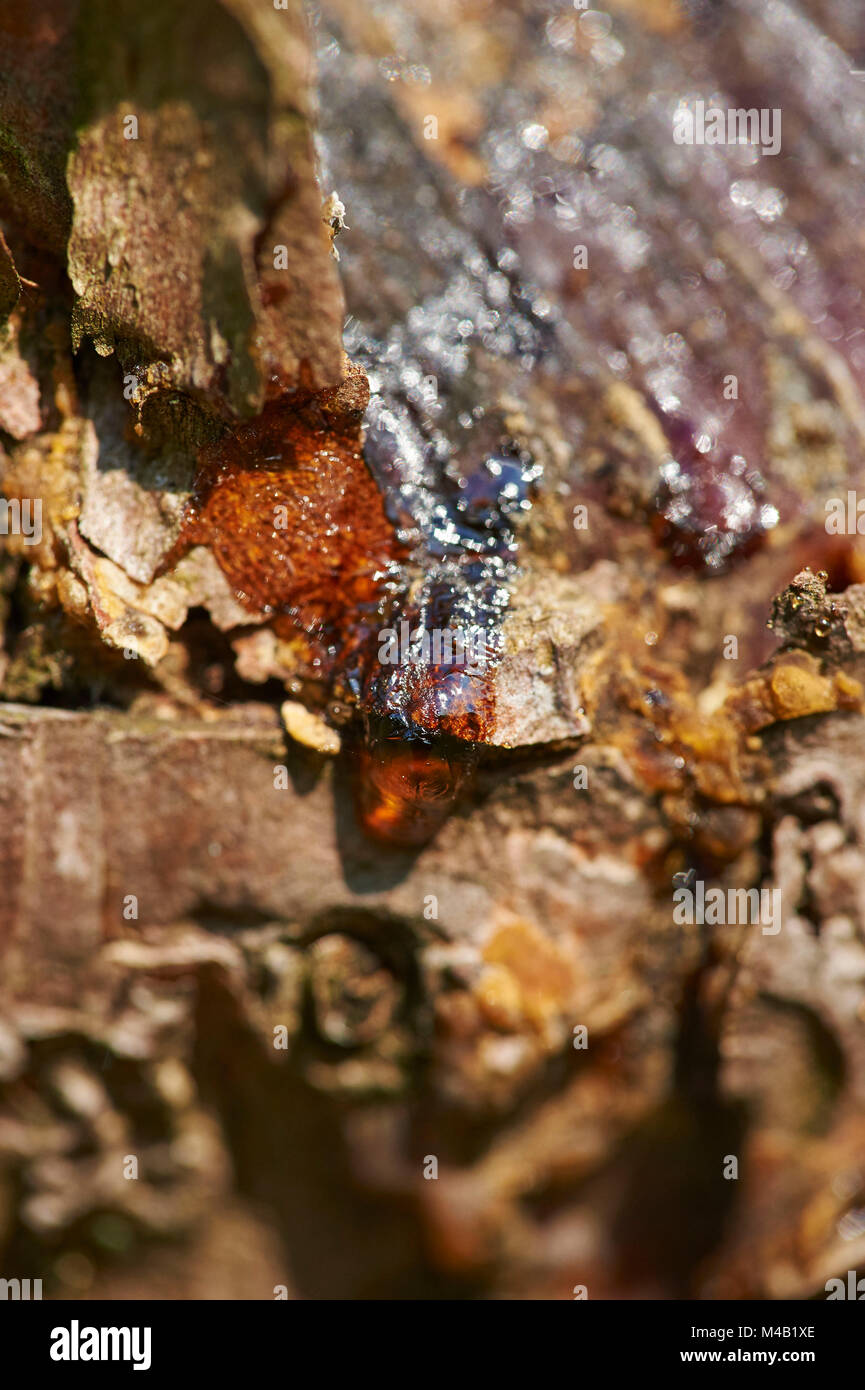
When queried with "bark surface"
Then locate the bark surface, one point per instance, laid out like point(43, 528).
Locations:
point(206, 962)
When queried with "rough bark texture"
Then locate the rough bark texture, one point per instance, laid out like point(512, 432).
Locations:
point(260, 908)
point(206, 963)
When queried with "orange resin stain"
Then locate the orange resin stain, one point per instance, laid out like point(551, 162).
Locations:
point(297, 524)
point(293, 517)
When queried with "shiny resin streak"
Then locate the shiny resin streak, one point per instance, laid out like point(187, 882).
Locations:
point(288, 508)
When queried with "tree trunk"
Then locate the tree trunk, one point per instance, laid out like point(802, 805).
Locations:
point(375, 972)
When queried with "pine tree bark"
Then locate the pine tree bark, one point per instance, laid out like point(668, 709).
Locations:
point(490, 1064)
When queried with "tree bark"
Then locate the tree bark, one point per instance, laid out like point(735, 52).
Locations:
point(477, 1056)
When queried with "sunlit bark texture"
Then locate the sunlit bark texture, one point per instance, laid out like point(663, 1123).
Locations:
point(430, 560)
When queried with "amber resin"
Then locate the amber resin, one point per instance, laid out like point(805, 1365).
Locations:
point(405, 789)
point(297, 524)
point(292, 516)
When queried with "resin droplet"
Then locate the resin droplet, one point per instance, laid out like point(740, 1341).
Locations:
point(405, 791)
